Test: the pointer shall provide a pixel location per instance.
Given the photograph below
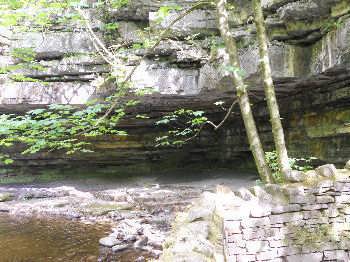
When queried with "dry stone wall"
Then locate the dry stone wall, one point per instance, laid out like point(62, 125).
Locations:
point(306, 221)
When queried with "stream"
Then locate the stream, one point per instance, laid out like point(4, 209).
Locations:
point(64, 219)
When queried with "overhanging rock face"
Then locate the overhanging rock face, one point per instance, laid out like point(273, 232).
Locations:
point(310, 58)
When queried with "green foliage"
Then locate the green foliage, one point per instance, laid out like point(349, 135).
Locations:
point(183, 125)
point(313, 237)
point(164, 11)
point(301, 164)
point(331, 25)
point(110, 26)
point(26, 60)
point(5, 158)
point(119, 3)
point(234, 70)
point(58, 127)
point(25, 54)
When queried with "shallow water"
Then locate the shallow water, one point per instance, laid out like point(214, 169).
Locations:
point(24, 239)
point(43, 240)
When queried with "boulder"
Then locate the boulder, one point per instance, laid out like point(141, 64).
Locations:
point(328, 170)
point(109, 241)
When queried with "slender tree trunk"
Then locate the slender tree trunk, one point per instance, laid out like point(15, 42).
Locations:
point(270, 94)
point(242, 94)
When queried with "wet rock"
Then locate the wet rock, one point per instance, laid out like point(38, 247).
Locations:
point(328, 170)
point(109, 241)
point(121, 247)
point(139, 244)
point(130, 238)
point(113, 195)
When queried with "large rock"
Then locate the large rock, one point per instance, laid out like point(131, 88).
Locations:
point(328, 170)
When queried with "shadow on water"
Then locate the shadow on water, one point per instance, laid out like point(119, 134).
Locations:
point(92, 180)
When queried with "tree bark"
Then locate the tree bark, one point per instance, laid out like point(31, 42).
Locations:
point(242, 94)
point(277, 128)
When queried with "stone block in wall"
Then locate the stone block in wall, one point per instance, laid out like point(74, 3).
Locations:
point(314, 206)
point(280, 209)
point(255, 246)
point(267, 255)
point(324, 199)
point(259, 233)
point(342, 199)
point(245, 258)
point(278, 243)
point(331, 211)
point(302, 199)
point(234, 250)
point(284, 218)
point(313, 257)
point(287, 251)
point(342, 187)
point(339, 255)
point(255, 222)
point(232, 227)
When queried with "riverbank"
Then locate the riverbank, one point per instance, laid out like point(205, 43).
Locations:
point(137, 213)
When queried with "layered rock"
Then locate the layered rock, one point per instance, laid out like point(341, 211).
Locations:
point(310, 57)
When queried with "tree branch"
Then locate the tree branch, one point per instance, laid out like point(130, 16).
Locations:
point(128, 77)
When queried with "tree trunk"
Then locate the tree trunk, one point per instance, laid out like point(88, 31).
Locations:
point(242, 94)
point(270, 94)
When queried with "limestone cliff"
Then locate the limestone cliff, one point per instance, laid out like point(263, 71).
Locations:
point(310, 56)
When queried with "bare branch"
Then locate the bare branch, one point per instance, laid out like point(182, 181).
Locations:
point(128, 77)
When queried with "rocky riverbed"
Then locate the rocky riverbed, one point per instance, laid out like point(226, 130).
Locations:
point(139, 215)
